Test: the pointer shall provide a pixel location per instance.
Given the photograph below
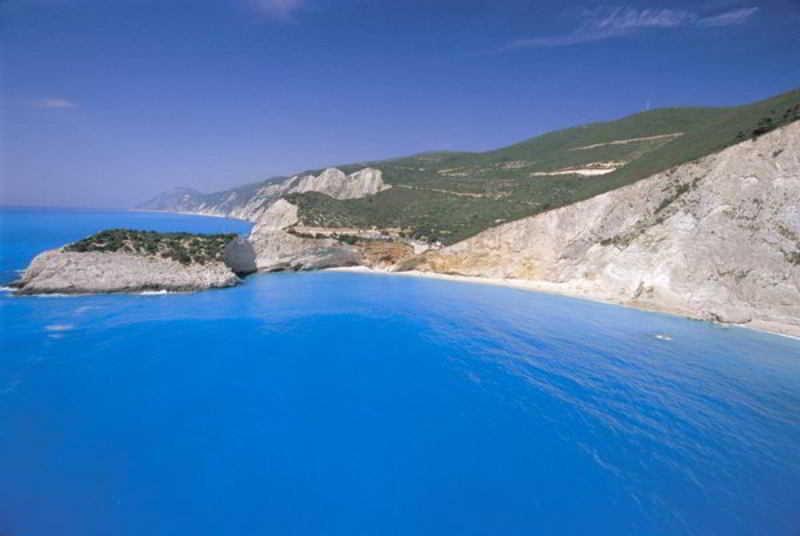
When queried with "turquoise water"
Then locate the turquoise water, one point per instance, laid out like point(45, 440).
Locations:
point(334, 403)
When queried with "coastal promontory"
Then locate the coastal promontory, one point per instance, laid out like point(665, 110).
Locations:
point(121, 260)
point(671, 210)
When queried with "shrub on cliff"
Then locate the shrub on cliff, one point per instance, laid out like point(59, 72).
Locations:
point(185, 248)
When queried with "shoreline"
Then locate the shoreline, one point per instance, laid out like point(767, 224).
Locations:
point(189, 213)
point(773, 328)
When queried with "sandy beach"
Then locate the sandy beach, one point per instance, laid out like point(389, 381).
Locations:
point(774, 328)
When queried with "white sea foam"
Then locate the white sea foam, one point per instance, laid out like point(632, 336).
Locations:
point(6, 289)
point(663, 337)
point(59, 327)
point(153, 292)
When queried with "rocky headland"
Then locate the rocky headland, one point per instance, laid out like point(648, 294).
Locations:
point(65, 272)
point(134, 261)
point(131, 261)
point(716, 237)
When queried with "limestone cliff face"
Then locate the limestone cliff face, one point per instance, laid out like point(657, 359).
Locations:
point(279, 215)
point(67, 272)
point(270, 246)
point(718, 238)
point(238, 206)
point(336, 184)
point(276, 248)
point(249, 203)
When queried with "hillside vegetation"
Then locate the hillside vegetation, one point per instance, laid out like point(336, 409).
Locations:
point(449, 196)
point(185, 248)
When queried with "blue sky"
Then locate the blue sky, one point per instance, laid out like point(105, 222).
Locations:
point(108, 102)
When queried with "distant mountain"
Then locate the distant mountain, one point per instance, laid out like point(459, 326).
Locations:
point(178, 199)
point(224, 203)
point(449, 196)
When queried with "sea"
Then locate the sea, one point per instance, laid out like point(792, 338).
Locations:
point(347, 403)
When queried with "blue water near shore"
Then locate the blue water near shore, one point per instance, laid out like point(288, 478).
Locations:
point(335, 403)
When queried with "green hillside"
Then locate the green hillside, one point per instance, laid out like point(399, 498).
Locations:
point(449, 196)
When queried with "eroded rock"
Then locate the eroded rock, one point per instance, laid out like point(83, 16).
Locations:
point(68, 272)
point(335, 183)
point(277, 248)
point(718, 239)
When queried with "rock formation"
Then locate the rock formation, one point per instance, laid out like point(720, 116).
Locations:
point(248, 204)
point(336, 184)
point(718, 239)
point(272, 246)
point(276, 248)
point(69, 272)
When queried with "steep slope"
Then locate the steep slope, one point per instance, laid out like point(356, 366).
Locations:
point(335, 184)
point(276, 248)
point(450, 196)
point(235, 203)
point(176, 200)
point(250, 201)
point(717, 238)
point(275, 244)
point(66, 272)
point(122, 260)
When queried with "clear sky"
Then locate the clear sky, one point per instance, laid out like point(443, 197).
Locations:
point(108, 102)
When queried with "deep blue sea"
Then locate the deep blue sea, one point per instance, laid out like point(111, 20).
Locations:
point(336, 403)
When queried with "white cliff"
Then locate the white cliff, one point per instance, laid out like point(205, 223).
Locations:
point(70, 272)
point(718, 239)
point(336, 184)
point(249, 205)
point(274, 247)
point(271, 246)
point(279, 215)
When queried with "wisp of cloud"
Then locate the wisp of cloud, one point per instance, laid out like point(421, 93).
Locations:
point(278, 9)
point(53, 103)
point(608, 23)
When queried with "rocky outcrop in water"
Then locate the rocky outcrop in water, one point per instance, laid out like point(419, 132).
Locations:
point(69, 272)
point(275, 247)
point(717, 239)
point(270, 247)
